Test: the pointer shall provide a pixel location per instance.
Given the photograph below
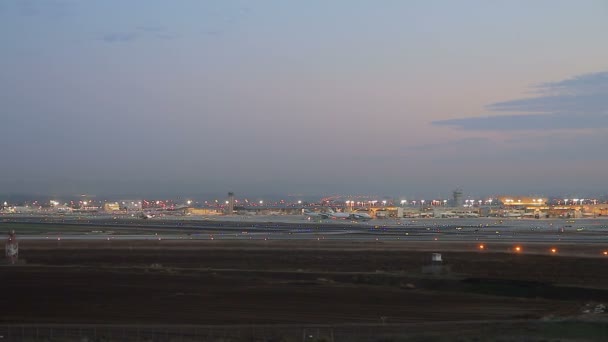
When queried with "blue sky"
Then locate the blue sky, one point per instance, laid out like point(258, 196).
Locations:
point(391, 97)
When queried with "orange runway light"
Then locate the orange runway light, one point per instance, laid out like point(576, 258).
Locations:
point(482, 247)
point(518, 249)
point(554, 250)
point(605, 253)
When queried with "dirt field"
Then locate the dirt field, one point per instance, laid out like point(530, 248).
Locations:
point(148, 283)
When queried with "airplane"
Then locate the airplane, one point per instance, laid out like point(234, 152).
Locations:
point(335, 215)
point(145, 216)
point(312, 214)
point(360, 216)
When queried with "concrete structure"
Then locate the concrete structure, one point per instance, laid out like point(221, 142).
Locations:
point(436, 267)
point(456, 212)
point(525, 201)
point(436, 258)
point(457, 200)
point(203, 211)
point(229, 209)
point(11, 247)
point(111, 207)
point(577, 211)
point(386, 212)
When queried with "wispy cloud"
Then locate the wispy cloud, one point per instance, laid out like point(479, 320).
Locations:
point(577, 103)
point(152, 28)
point(530, 122)
point(225, 21)
point(140, 32)
point(29, 8)
point(119, 37)
point(452, 144)
point(593, 83)
point(526, 147)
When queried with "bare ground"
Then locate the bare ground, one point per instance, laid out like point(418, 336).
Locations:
point(200, 283)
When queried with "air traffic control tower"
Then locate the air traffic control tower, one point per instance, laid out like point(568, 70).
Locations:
point(457, 200)
point(230, 204)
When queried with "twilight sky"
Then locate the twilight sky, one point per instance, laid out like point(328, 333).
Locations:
point(408, 98)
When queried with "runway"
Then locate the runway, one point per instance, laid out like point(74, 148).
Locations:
point(594, 231)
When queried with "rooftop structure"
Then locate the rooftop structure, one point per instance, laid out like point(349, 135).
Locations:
point(522, 201)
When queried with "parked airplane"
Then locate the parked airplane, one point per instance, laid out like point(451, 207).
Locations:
point(357, 216)
point(313, 214)
point(146, 216)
